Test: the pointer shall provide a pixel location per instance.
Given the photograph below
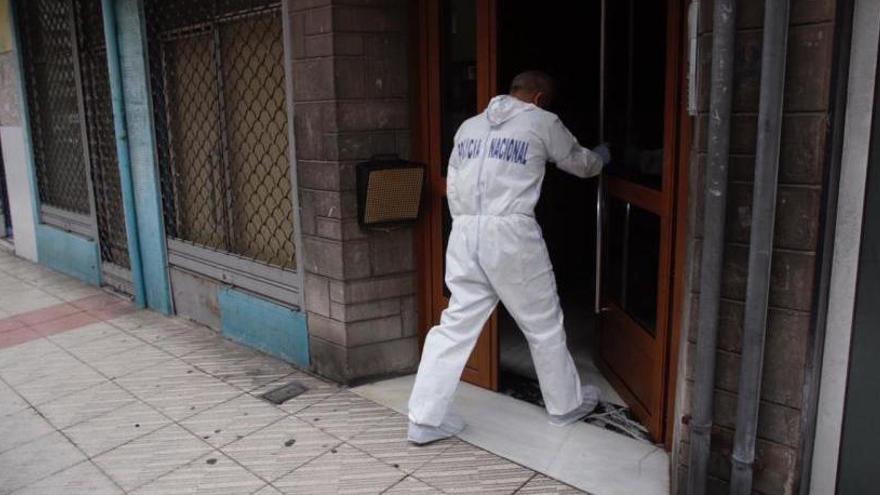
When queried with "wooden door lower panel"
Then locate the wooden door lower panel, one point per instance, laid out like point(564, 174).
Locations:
point(482, 367)
point(633, 374)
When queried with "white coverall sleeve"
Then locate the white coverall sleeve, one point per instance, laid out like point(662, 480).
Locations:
point(451, 173)
point(564, 150)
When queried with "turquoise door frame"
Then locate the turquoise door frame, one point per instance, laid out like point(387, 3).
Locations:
point(133, 119)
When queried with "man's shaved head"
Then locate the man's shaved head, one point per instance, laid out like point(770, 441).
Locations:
point(533, 86)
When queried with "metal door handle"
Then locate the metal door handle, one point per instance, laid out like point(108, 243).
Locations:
point(600, 183)
point(600, 224)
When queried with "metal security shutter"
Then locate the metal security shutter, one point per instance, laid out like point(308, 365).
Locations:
point(218, 79)
point(116, 266)
point(54, 100)
point(68, 95)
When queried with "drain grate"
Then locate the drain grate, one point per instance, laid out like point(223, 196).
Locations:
point(284, 393)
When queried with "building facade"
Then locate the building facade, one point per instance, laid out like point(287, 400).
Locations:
point(202, 158)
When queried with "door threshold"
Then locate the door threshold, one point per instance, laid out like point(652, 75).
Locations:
point(582, 455)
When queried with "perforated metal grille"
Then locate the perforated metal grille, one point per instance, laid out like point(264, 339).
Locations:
point(68, 94)
point(101, 136)
point(217, 73)
point(51, 72)
point(393, 195)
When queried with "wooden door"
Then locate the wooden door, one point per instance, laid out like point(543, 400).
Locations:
point(640, 199)
point(456, 79)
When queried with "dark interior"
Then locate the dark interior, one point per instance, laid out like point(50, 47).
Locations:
point(568, 48)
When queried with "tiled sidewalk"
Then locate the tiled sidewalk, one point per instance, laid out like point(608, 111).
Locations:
point(96, 397)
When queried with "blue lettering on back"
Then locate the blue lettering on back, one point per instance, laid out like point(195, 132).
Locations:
point(509, 150)
point(469, 148)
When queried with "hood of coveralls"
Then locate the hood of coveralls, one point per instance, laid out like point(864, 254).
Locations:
point(505, 107)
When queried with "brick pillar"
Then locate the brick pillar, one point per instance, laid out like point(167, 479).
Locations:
point(351, 102)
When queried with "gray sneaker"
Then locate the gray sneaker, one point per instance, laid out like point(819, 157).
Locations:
point(423, 434)
point(590, 401)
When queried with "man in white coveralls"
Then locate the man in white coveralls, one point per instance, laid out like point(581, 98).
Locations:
point(496, 253)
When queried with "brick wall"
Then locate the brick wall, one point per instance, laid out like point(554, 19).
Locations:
point(806, 109)
point(351, 95)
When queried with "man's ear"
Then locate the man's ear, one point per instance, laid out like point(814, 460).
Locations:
point(539, 99)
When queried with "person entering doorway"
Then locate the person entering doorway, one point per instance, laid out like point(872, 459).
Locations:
point(496, 253)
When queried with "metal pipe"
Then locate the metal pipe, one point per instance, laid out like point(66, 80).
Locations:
point(122, 153)
point(713, 242)
point(773, 58)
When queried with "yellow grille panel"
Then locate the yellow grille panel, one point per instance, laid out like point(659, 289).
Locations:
point(393, 195)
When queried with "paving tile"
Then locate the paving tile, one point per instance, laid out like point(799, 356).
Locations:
point(28, 463)
point(22, 427)
point(115, 428)
point(345, 414)
point(154, 377)
point(221, 357)
point(36, 360)
point(10, 402)
point(28, 353)
point(86, 404)
point(176, 339)
point(98, 301)
point(542, 485)
point(64, 324)
point(17, 337)
point(318, 390)
point(147, 458)
point(129, 361)
point(232, 420)
point(96, 341)
point(81, 479)
point(255, 372)
point(113, 311)
point(141, 319)
point(26, 299)
point(9, 323)
point(177, 390)
point(72, 290)
point(463, 468)
point(345, 470)
point(268, 490)
point(48, 388)
point(212, 474)
point(48, 313)
point(100, 331)
point(412, 485)
point(280, 448)
point(388, 443)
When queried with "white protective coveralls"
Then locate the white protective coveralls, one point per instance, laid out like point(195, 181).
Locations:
point(496, 251)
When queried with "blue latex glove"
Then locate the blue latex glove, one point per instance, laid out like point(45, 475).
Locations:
point(603, 152)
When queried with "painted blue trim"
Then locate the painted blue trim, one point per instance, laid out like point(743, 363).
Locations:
point(131, 38)
point(123, 157)
point(69, 253)
point(30, 162)
point(271, 328)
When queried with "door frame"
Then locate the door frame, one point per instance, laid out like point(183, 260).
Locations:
point(424, 63)
point(427, 149)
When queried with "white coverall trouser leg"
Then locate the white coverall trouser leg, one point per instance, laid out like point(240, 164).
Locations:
point(492, 258)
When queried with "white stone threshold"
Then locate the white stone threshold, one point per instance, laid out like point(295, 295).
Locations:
point(584, 456)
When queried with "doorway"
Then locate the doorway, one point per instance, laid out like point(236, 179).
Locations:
point(621, 339)
point(565, 211)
